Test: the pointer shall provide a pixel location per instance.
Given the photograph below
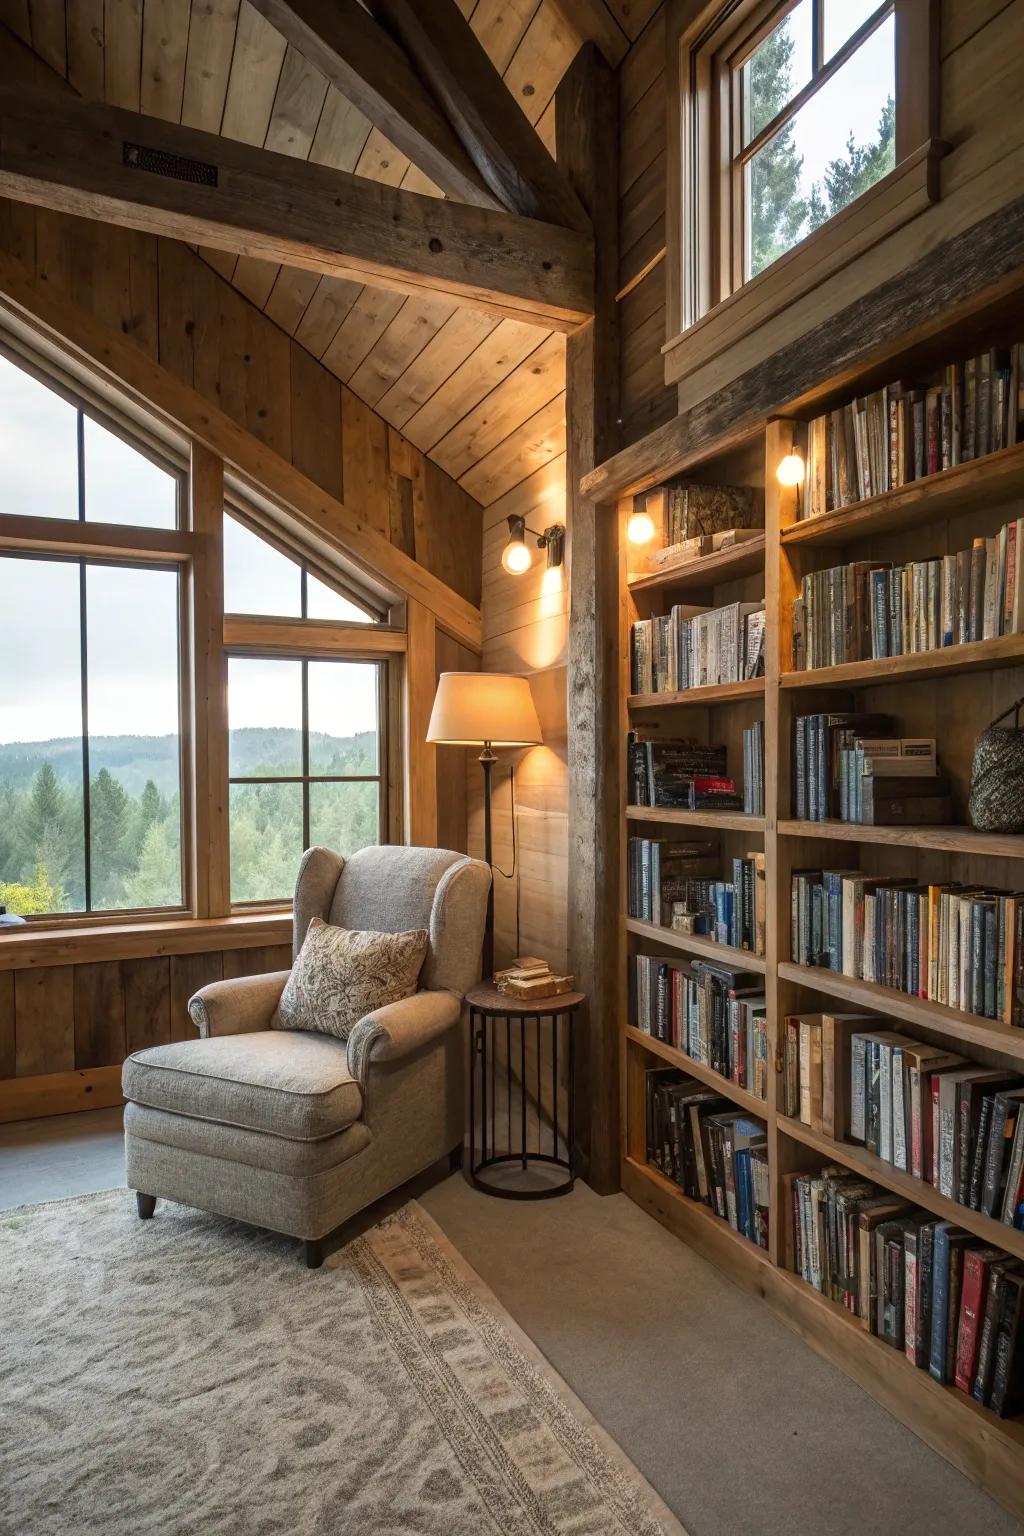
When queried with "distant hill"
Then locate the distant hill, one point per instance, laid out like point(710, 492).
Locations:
point(134, 759)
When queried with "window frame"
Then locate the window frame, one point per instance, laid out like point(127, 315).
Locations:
point(705, 257)
point(382, 778)
point(88, 914)
point(377, 611)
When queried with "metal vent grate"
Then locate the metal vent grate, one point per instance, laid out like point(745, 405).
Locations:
point(139, 157)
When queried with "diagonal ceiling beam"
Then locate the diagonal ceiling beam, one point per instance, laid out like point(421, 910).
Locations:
point(104, 163)
point(371, 71)
point(501, 141)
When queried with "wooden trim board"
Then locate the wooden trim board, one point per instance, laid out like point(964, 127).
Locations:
point(59, 1093)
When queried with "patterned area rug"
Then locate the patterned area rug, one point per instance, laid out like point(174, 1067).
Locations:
point(188, 1375)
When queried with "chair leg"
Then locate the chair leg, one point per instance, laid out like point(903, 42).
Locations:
point(455, 1158)
point(146, 1205)
point(314, 1250)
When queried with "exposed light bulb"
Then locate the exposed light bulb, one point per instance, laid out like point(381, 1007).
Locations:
point(791, 470)
point(640, 528)
point(516, 558)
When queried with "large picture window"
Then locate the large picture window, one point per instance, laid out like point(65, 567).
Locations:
point(305, 763)
point(90, 743)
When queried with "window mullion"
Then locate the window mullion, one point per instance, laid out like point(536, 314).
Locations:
point(83, 629)
point(305, 734)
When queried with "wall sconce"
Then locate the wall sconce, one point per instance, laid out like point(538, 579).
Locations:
point(517, 558)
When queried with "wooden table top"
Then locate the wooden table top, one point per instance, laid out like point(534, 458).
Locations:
point(489, 1000)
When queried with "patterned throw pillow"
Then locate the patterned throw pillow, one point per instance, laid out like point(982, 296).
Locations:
point(340, 975)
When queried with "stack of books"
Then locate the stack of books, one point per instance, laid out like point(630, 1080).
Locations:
point(694, 647)
point(952, 1304)
point(926, 1110)
point(714, 1015)
point(714, 1153)
point(871, 609)
point(531, 980)
point(902, 432)
point(662, 872)
point(679, 774)
point(958, 945)
point(670, 556)
point(849, 766)
point(753, 769)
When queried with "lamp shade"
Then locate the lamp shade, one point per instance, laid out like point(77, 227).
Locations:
point(473, 707)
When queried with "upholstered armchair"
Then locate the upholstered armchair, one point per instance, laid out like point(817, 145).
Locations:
point(295, 1130)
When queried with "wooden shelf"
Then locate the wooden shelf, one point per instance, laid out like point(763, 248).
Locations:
point(706, 571)
point(918, 1191)
point(729, 821)
point(940, 839)
point(995, 478)
point(696, 1210)
point(704, 1074)
point(720, 693)
point(992, 1034)
point(697, 944)
point(978, 656)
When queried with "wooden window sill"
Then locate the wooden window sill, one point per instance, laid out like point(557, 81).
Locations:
point(899, 197)
point(32, 946)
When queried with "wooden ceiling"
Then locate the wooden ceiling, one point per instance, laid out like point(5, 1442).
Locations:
point(484, 397)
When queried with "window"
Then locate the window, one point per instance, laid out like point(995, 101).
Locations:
point(259, 578)
point(814, 105)
point(305, 766)
point(791, 112)
point(90, 746)
point(56, 461)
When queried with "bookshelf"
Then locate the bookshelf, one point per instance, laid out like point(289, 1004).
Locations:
point(951, 694)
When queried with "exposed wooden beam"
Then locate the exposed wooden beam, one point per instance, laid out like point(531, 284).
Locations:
point(502, 142)
point(305, 637)
point(371, 71)
point(334, 531)
point(103, 163)
point(587, 131)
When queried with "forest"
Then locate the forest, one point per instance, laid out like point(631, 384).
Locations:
point(135, 817)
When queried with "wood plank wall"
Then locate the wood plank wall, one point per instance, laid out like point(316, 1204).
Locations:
point(526, 624)
point(644, 400)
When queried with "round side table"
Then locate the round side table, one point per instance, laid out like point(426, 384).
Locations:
point(505, 1136)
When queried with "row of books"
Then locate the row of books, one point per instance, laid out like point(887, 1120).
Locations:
point(851, 767)
point(926, 1110)
point(662, 873)
point(958, 945)
point(902, 432)
point(686, 509)
point(665, 886)
point(713, 1152)
point(753, 769)
point(679, 775)
point(870, 609)
point(695, 647)
point(712, 1014)
point(952, 1304)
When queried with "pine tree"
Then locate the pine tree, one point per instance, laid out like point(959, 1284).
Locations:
point(156, 881)
point(864, 165)
point(45, 807)
point(777, 210)
point(111, 857)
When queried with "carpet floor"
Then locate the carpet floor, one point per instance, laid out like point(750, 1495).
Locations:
point(187, 1375)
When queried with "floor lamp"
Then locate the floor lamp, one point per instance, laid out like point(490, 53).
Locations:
point(486, 710)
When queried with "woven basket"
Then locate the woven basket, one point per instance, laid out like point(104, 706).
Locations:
point(997, 776)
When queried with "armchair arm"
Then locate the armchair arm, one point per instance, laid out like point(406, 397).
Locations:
point(237, 1007)
point(399, 1028)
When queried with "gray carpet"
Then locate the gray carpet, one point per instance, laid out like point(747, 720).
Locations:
point(187, 1375)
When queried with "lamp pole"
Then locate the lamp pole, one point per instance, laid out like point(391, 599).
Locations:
point(487, 762)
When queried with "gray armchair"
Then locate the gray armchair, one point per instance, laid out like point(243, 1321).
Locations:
point(298, 1131)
